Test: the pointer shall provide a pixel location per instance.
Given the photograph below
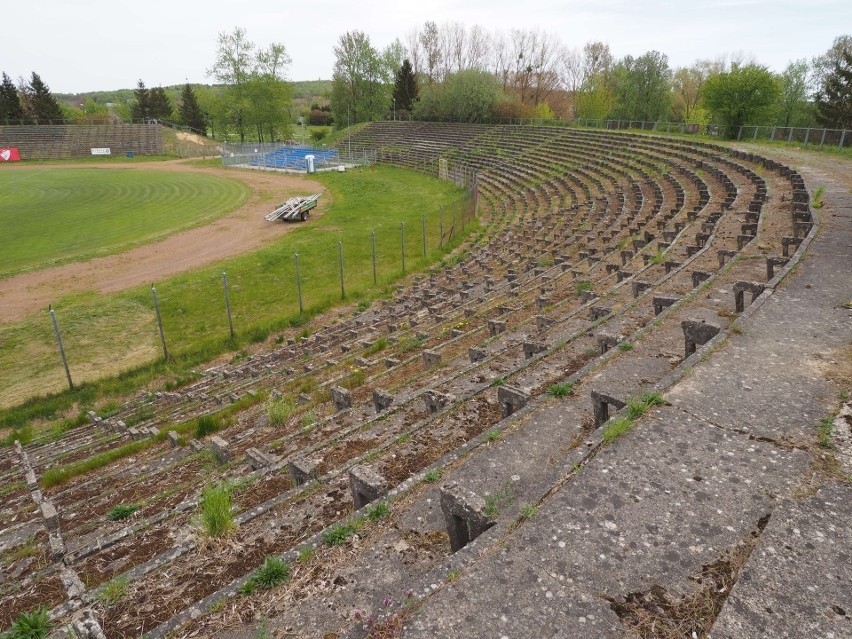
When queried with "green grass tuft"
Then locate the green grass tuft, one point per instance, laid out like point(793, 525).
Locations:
point(122, 511)
point(560, 389)
point(339, 533)
point(278, 410)
point(377, 510)
point(30, 625)
point(615, 428)
point(272, 572)
point(114, 591)
point(433, 476)
point(217, 520)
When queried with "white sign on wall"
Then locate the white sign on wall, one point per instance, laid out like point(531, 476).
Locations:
point(101, 151)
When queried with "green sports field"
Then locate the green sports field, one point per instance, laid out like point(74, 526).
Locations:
point(107, 335)
point(50, 215)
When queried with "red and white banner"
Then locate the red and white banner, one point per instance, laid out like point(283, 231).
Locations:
point(10, 155)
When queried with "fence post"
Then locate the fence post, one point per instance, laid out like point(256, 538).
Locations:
point(822, 140)
point(160, 322)
point(227, 302)
point(373, 252)
point(424, 234)
point(402, 226)
point(340, 265)
point(790, 136)
point(807, 135)
point(441, 229)
point(298, 283)
point(740, 133)
point(842, 138)
point(756, 129)
point(61, 347)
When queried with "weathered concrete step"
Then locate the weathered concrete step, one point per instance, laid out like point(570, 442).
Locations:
point(798, 580)
point(651, 509)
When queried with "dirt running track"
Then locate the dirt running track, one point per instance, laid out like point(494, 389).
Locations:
point(243, 230)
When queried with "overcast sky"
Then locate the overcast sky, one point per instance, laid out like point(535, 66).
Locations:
point(110, 44)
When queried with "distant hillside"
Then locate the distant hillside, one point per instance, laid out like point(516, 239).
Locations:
point(304, 93)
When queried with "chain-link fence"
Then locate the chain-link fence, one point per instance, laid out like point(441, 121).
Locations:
point(840, 138)
point(293, 157)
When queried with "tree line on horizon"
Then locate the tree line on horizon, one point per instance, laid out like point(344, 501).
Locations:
point(468, 74)
point(452, 72)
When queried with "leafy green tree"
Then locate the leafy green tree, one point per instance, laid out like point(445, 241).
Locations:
point(744, 95)
point(141, 107)
point(596, 100)
point(44, 107)
point(10, 102)
point(470, 95)
point(361, 82)
point(793, 106)
point(642, 87)
point(256, 94)
point(405, 87)
point(834, 99)
point(190, 113)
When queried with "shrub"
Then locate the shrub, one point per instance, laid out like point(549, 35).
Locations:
point(216, 517)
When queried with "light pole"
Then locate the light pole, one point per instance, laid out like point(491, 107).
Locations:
point(348, 135)
point(394, 109)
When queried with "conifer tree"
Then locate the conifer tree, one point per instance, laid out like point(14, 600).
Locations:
point(190, 114)
point(44, 106)
point(141, 108)
point(10, 102)
point(405, 87)
point(159, 105)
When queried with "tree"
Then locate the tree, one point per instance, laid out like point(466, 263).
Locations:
point(257, 93)
point(687, 83)
point(10, 102)
point(430, 44)
point(834, 99)
point(361, 83)
point(642, 87)
point(793, 105)
point(44, 107)
point(824, 64)
point(744, 95)
point(405, 87)
point(141, 107)
point(159, 105)
point(467, 96)
point(190, 113)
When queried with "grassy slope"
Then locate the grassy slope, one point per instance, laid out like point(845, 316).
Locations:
point(50, 214)
point(105, 335)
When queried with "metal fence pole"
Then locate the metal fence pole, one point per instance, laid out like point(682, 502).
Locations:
point(402, 226)
point(61, 347)
point(160, 323)
point(842, 138)
point(228, 303)
point(424, 234)
point(298, 283)
point(441, 229)
point(340, 266)
point(822, 140)
point(373, 253)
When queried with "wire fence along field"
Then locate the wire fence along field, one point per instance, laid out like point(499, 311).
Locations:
point(291, 157)
point(194, 317)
